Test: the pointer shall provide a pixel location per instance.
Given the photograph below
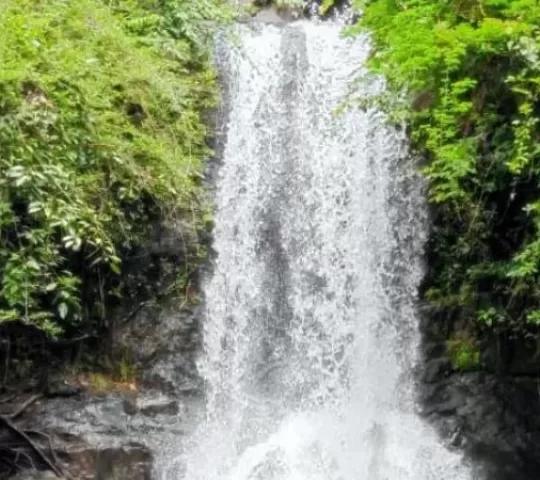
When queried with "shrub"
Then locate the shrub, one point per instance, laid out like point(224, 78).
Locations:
point(101, 127)
point(463, 353)
point(464, 76)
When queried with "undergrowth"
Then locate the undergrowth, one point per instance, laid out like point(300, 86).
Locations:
point(464, 78)
point(101, 131)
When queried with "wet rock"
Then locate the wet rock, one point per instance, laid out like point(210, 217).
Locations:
point(82, 461)
point(434, 350)
point(445, 400)
point(162, 342)
point(130, 406)
point(166, 407)
point(151, 405)
point(436, 369)
point(62, 389)
point(119, 434)
point(493, 415)
point(276, 16)
point(131, 461)
point(32, 475)
point(112, 436)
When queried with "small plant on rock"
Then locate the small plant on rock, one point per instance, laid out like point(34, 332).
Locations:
point(463, 353)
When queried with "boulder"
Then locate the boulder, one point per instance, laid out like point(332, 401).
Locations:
point(86, 462)
point(493, 413)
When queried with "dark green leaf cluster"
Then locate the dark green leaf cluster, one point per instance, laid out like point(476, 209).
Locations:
point(101, 106)
point(468, 72)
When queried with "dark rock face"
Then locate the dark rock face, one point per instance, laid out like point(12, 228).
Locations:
point(151, 269)
point(493, 415)
point(132, 461)
point(118, 435)
point(338, 5)
point(114, 435)
point(270, 11)
point(162, 341)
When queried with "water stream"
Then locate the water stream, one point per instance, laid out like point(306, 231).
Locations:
point(311, 331)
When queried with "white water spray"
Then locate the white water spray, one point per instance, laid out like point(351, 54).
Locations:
point(310, 332)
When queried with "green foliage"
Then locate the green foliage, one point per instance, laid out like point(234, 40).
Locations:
point(101, 129)
point(465, 77)
point(463, 353)
point(326, 6)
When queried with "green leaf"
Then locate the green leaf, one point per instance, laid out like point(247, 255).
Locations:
point(62, 310)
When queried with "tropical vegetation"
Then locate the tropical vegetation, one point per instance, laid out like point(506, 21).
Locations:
point(102, 105)
point(464, 78)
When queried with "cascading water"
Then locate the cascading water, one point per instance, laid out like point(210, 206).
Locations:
point(310, 331)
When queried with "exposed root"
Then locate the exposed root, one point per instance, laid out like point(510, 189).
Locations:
point(19, 451)
point(24, 406)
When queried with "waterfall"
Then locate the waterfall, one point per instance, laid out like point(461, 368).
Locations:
point(310, 329)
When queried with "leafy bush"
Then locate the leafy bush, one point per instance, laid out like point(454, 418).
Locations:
point(463, 353)
point(101, 128)
point(464, 75)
